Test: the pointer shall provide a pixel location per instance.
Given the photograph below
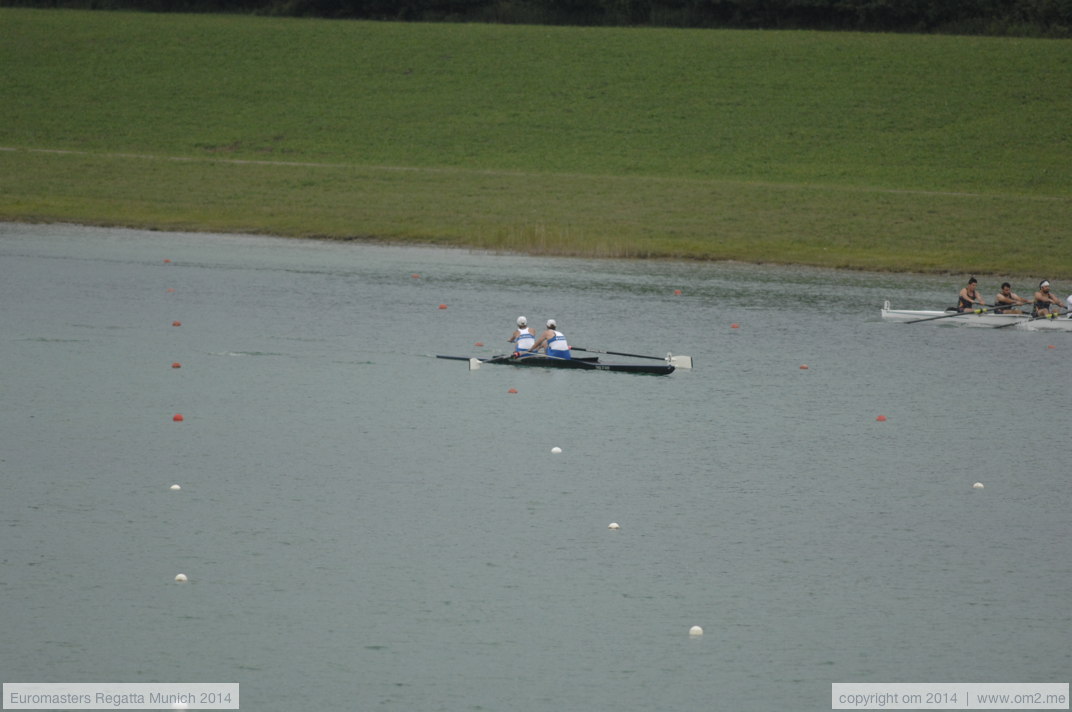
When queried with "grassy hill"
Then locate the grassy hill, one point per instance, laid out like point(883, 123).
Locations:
point(899, 152)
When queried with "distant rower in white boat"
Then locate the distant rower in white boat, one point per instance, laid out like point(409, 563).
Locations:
point(969, 296)
point(1046, 303)
point(524, 336)
point(554, 340)
point(1007, 296)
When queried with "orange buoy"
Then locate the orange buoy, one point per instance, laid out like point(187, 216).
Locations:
point(479, 343)
point(1051, 346)
point(178, 418)
point(167, 261)
point(442, 306)
point(176, 323)
point(803, 367)
point(512, 390)
point(881, 419)
point(735, 326)
point(415, 276)
point(170, 290)
point(677, 292)
point(176, 365)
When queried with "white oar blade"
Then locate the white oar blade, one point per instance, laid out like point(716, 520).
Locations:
point(681, 361)
point(474, 364)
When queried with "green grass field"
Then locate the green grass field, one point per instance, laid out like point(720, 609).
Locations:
point(867, 151)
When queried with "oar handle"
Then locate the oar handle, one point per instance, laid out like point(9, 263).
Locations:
point(1051, 316)
point(616, 353)
point(1040, 316)
point(961, 313)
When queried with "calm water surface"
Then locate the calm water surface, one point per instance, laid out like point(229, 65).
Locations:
point(367, 527)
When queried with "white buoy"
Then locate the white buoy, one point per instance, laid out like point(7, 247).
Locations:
point(176, 487)
point(696, 631)
point(181, 578)
point(556, 450)
point(978, 485)
point(613, 525)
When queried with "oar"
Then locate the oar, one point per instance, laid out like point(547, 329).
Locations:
point(956, 313)
point(1040, 316)
point(474, 363)
point(677, 361)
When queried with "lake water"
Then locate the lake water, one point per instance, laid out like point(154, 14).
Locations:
point(367, 527)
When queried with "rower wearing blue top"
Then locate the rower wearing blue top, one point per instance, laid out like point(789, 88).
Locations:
point(523, 337)
point(555, 341)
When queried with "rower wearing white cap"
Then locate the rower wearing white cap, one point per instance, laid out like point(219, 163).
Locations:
point(1046, 303)
point(555, 341)
point(524, 336)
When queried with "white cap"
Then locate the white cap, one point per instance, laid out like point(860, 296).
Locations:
point(521, 321)
point(1043, 283)
point(551, 324)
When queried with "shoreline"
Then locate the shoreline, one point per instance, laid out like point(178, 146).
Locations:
point(418, 244)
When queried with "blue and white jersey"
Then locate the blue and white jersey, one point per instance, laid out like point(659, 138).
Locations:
point(525, 339)
point(557, 346)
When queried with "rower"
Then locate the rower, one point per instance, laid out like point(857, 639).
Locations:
point(1047, 304)
point(1007, 297)
point(524, 336)
point(969, 296)
point(555, 341)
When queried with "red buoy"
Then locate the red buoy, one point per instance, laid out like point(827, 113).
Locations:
point(442, 306)
point(735, 326)
point(881, 419)
point(415, 276)
point(803, 367)
point(677, 292)
point(176, 323)
point(512, 390)
point(177, 417)
point(176, 365)
point(479, 343)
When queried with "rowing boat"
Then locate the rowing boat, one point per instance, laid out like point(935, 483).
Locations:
point(986, 320)
point(587, 363)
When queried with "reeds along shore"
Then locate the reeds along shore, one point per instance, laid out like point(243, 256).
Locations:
point(865, 151)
